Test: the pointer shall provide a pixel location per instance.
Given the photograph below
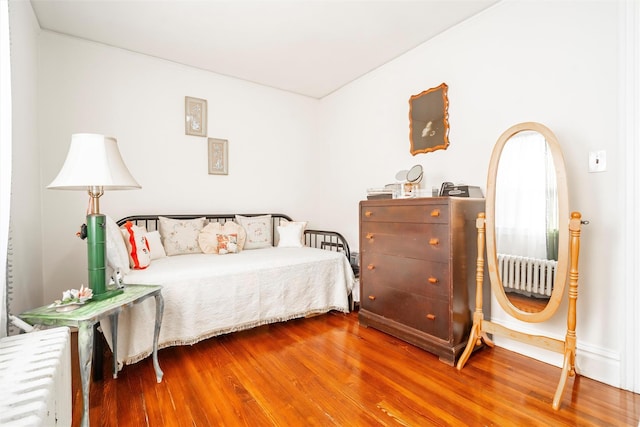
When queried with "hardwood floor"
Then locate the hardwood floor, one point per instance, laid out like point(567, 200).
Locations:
point(329, 371)
point(527, 304)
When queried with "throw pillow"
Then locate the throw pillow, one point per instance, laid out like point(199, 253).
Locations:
point(227, 244)
point(137, 246)
point(286, 222)
point(155, 245)
point(290, 236)
point(117, 257)
point(208, 237)
point(180, 236)
point(258, 229)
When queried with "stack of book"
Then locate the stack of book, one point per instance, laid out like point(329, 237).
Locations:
point(387, 192)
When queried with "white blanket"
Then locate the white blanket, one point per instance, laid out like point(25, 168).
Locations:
point(208, 295)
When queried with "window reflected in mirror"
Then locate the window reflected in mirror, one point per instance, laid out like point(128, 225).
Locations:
point(526, 220)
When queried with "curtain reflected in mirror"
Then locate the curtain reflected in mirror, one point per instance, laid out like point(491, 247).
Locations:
point(526, 221)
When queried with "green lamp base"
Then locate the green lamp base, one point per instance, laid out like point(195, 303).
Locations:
point(96, 251)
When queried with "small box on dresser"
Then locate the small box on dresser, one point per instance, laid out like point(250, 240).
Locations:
point(418, 266)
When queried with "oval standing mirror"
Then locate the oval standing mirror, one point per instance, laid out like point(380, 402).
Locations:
point(526, 204)
point(530, 245)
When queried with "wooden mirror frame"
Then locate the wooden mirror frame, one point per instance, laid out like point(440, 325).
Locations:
point(563, 233)
point(481, 328)
point(429, 111)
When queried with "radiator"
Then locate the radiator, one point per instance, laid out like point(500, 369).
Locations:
point(35, 379)
point(527, 275)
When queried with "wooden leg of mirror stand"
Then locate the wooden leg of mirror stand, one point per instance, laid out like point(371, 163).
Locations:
point(568, 367)
point(567, 370)
point(477, 336)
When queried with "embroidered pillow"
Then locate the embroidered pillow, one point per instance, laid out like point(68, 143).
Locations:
point(290, 236)
point(137, 246)
point(155, 245)
point(208, 237)
point(258, 229)
point(117, 256)
point(180, 236)
point(227, 244)
point(285, 222)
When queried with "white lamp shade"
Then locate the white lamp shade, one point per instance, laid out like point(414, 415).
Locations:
point(93, 161)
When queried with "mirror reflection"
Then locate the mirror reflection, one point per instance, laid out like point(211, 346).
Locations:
point(526, 221)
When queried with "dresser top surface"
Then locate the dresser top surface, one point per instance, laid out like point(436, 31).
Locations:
point(421, 201)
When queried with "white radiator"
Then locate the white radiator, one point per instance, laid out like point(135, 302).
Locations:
point(35, 379)
point(527, 275)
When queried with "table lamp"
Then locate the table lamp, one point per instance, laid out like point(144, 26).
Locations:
point(94, 164)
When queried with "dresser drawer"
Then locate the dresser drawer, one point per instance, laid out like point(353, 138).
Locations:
point(426, 278)
point(420, 241)
point(428, 213)
point(429, 315)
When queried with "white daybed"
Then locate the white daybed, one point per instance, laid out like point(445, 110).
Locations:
point(208, 294)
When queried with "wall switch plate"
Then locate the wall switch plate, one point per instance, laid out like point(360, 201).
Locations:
point(597, 161)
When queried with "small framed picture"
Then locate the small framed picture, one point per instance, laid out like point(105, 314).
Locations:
point(218, 156)
point(195, 116)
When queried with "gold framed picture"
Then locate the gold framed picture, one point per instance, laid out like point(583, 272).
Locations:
point(195, 116)
point(429, 120)
point(218, 156)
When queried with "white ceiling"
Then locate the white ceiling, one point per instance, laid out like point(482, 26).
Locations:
point(309, 47)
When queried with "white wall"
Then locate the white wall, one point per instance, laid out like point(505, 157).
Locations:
point(25, 198)
point(87, 87)
point(550, 62)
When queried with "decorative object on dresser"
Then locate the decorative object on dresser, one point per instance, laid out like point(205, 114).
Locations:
point(528, 155)
point(429, 120)
point(94, 164)
point(195, 116)
point(417, 262)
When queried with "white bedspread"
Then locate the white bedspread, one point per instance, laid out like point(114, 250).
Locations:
point(208, 295)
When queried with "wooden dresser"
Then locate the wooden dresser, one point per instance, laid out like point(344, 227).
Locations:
point(418, 266)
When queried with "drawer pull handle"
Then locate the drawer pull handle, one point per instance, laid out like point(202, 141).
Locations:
point(368, 213)
point(435, 213)
point(371, 267)
point(372, 297)
point(369, 236)
point(434, 241)
point(433, 280)
point(431, 316)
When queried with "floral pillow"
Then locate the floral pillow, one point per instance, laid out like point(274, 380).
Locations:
point(135, 238)
point(258, 229)
point(155, 245)
point(180, 236)
point(227, 244)
point(208, 237)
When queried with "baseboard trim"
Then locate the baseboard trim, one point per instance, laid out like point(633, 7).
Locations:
point(598, 363)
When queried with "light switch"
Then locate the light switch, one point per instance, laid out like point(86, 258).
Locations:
point(597, 161)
